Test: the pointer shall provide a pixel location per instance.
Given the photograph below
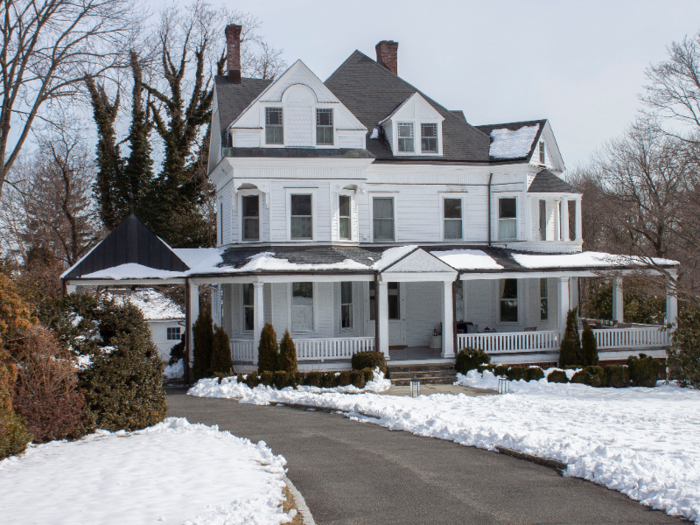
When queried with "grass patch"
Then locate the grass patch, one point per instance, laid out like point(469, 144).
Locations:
point(289, 504)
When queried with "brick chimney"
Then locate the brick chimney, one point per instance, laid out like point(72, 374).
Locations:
point(233, 53)
point(387, 52)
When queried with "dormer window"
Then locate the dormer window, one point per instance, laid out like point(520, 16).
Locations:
point(274, 131)
point(428, 140)
point(324, 127)
point(406, 137)
point(543, 155)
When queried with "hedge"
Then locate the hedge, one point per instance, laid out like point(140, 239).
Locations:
point(370, 359)
point(281, 379)
point(644, 370)
point(471, 359)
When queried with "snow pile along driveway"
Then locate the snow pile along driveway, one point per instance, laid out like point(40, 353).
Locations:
point(643, 442)
point(173, 472)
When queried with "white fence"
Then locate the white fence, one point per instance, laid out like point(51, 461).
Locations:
point(511, 342)
point(635, 337)
point(311, 349)
point(242, 350)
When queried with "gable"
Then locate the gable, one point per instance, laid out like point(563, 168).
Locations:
point(418, 261)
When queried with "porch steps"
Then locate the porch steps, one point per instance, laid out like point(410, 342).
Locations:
point(429, 374)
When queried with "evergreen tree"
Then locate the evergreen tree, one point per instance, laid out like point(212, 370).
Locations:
point(268, 351)
point(589, 348)
point(684, 354)
point(221, 354)
point(570, 349)
point(288, 354)
point(203, 335)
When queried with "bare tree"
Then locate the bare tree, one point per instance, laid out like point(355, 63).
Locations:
point(47, 49)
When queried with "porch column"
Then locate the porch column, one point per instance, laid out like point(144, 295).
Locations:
point(258, 317)
point(671, 305)
point(565, 219)
point(563, 303)
point(192, 315)
point(383, 317)
point(618, 305)
point(579, 233)
point(448, 321)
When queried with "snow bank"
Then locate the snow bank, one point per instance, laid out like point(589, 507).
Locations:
point(467, 260)
point(176, 371)
point(507, 144)
point(173, 472)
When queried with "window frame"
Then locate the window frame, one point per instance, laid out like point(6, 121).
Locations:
point(314, 308)
point(372, 296)
point(436, 137)
point(501, 300)
point(351, 203)
point(349, 305)
point(314, 215)
point(325, 127)
point(444, 219)
point(179, 333)
point(544, 299)
point(391, 196)
point(498, 208)
point(245, 306)
point(399, 138)
point(542, 212)
point(267, 125)
point(542, 154)
point(242, 196)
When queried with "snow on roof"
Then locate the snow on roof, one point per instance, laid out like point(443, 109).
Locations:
point(132, 271)
point(585, 260)
point(507, 144)
point(467, 260)
point(153, 304)
point(392, 255)
point(268, 261)
point(200, 258)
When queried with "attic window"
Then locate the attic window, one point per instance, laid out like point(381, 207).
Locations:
point(405, 136)
point(542, 152)
point(324, 126)
point(428, 139)
point(274, 133)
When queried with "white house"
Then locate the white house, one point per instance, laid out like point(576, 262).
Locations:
point(359, 213)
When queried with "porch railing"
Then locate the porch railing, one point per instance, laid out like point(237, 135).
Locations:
point(242, 349)
point(310, 349)
point(635, 337)
point(511, 342)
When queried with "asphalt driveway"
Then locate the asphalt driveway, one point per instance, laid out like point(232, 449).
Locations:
point(361, 473)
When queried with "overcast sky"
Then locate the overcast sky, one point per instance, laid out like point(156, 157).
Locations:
point(579, 64)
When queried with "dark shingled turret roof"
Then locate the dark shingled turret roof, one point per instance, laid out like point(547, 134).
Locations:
point(547, 182)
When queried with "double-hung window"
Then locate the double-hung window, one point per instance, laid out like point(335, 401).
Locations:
point(248, 307)
point(509, 300)
point(544, 302)
point(383, 218)
point(543, 220)
point(173, 333)
point(507, 222)
point(302, 307)
point(324, 126)
point(301, 217)
point(274, 130)
point(346, 305)
point(453, 218)
point(428, 138)
point(405, 136)
point(543, 153)
point(344, 218)
point(394, 301)
point(251, 217)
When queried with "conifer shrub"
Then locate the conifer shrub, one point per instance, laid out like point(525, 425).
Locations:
point(481, 368)
point(177, 352)
point(221, 354)
point(268, 350)
point(267, 378)
point(557, 376)
point(580, 377)
point(684, 354)
point(471, 359)
point(516, 373)
point(644, 371)
point(203, 338)
point(534, 373)
point(570, 348)
point(252, 380)
point(617, 376)
point(500, 370)
point(284, 379)
point(313, 379)
point(589, 348)
point(14, 436)
point(591, 376)
point(358, 378)
point(370, 359)
point(329, 380)
point(344, 378)
point(288, 354)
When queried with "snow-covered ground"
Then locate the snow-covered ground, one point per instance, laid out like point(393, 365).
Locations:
point(173, 472)
point(643, 442)
point(174, 371)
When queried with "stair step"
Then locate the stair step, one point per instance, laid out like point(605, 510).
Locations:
point(420, 374)
point(420, 368)
point(425, 381)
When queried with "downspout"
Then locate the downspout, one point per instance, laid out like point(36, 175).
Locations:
point(489, 207)
point(188, 335)
point(376, 312)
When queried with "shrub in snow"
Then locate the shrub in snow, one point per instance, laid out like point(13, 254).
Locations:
point(617, 376)
point(516, 373)
point(267, 378)
point(359, 378)
point(591, 376)
point(589, 348)
point(221, 354)
point(570, 348)
point(557, 376)
point(282, 379)
point(203, 337)
point(470, 359)
point(500, 370)
point(268, 351)
point(177, 352)
point(252, 380)
point(14, 436)
point(684, 354)
point(329, 380)
point(370, 359)
point(344, 378)
point(312, 379)
point(644, 371)
point(534, 373)
point(288, 354)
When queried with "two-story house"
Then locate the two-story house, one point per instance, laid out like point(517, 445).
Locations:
point(358, 213)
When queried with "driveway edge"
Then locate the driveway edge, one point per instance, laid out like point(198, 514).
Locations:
point(300, 503)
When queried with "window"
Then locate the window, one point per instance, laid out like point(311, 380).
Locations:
point(394, 301)
point(274, 133)
point(543, 220)
point(507, 225)
point(428, 138)
point(301, 217)
point(458, 290)
point(324, 126)
point(173, 333)
point(544, 306)
point(383, 218)
point(248, 307)
point(251, 218)
point(509, 300)
point(453, 218)
point(345, 305)
point(543, 155)
point(302, 307)
point(405, 136)
point(344, 224)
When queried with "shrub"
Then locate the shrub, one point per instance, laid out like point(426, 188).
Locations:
point(500, 370)
point(252, 380)
point(516, 373)
point(267, 378)
point(14, 435)
point(284, 379)
point(344, 378)
point(570, 348)
point(370, 359)
point(644, 371)
point(268, 350)
point(617, 376)
point(534, 373)
point(557, 376)
point(589, 348)
point(46, 394)
point(358, 378)
point(470, 359)
point(313, 379)
point(221, 353)
point(329, 380)
point(15, 312)
point(684, 354)
point(591, 376)
point(481, 368)
point(203, 336)
point(177, 352)
point(288, 354)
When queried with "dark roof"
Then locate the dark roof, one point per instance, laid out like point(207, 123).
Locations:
point(372, 93)
point(547, 182)
point(297, 152)
point(515, 126)
point(233, 98)
point(130, 242)
point(236, 257)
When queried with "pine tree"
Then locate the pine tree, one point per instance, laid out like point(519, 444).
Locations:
point(589, 348)
point(221, 354)
point(288, 354)
point(570, 349)
point(268, 351)
point(203, 335)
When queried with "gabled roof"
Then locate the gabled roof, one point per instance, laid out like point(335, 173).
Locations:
point(372, 93)
point(232, 98)
point(516, 126)
point(547, 182)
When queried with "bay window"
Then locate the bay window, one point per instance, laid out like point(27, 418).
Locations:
point(301, 217)
point(507, 222)
point(251, 217)
point(344, 218)
point(383, 218)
